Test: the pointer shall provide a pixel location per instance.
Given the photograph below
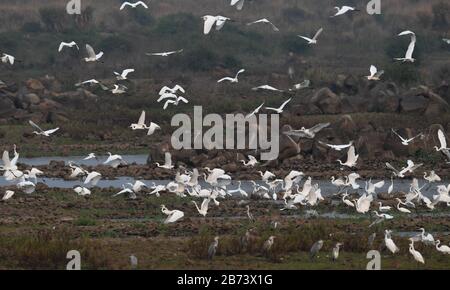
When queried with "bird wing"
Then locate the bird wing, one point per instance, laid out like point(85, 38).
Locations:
point(319, 127)
point(127, 71)
point(379, 73)
point(35, 125)
point(179, 88)
point(239, 72)
point(5, 158)
point(296, 133)
point(52, 131)
point(379, 184)
point(166, 96)
point(393, 131)
point(142, 118)
point(142, 3)
point(205, 204)
point(305, 38)
point(351, 155)
point(167, 103)
point(168, 159)
point(318, 33)
point(184, 100)
point(61, 46)
point(225, 79)
point(373, 70)
point(442, 140)
point(411, 46)
point(388, 165)
point(90, 51)
point(285, 103)
point(209, 22)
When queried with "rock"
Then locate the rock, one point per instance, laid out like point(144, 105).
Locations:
point(32, 99)
point(34, 85)
point(327, 101)
point(347, 126)
point(6, 107)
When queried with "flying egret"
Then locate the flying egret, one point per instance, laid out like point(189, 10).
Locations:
point(442, 141)
point(140, 125)
point(280, 109)
point(173, 90)
point(41, 132)
point(232, 80)
point(93, 178)
point(165, 53)
point(167, 161)
point(238, 3)
point(337, 147)
point(404, 140)
point(409, 53)
point(410, 167)
point(172, 215)
point(92, 56)
point(133, 5)
point(265, 21)
point(255, 111)
point(372, 187)
point(374, 74)
point(308, 133)
point(432, 177)
point(90, 156)
point(251, 162)
point(67, 44)
point(352, 158)
point(114, 160)
point(123, 76)
point(210, 21)
point(203, 209)
point(344, 9)
point(119, 89)
point(8, 58)
point(314, 39)
point(267, 88)
point(303, 85)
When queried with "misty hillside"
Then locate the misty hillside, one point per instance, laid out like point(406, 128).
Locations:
point(32, 30)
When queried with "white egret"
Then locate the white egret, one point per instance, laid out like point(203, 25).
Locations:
point(90, 156)
point(123, 76)
point(251, 161)
point(314, 39)
point(352, 158)
point(267, 88)
point(67, 44)
point(8, 194)
point(133, 5)
point(308, 133)
point(280, 109)
point(203, 209)
point(402, 209)
point(335, 251)
point(432, 177)
point(404, 140)
point(389, 242)
point(82, 191)
point(213, 248)
point(238, 3)
point(344, 9)
point(114, 160)
point(442, 141)
point(172, 215)
point(443, 249)
point(409, 53)
point(232, 80)
point(265, 21)
point(255, 111)
point(382, 208)
point(92, 56)
point(167, 161)
point(173, 90)
point(337, 147)
point(165, 53)
point(41, 132)
point(93, 178)
point(374, 74)
point(8, 58)
point(416, 255)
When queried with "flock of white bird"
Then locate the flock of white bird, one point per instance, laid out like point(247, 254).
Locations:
point(187, 183)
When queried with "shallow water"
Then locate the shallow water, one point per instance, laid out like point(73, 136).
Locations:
point(38, 161)
point(328, 189)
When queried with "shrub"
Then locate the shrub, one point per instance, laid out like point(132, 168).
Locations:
point(32, 27)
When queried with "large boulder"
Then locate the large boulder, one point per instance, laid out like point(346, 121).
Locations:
point(34, 85)
point(327, 101)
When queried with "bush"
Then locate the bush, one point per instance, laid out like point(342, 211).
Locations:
point(32, 27)
point(402, 73)
point(180, 23)
point(54, 18)
point(200, 59)
point(441, 16)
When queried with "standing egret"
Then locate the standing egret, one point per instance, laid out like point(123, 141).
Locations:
point(335, 251)
point(315, 249)
point(213, 248)
point(416, 255)
point(389, 242)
